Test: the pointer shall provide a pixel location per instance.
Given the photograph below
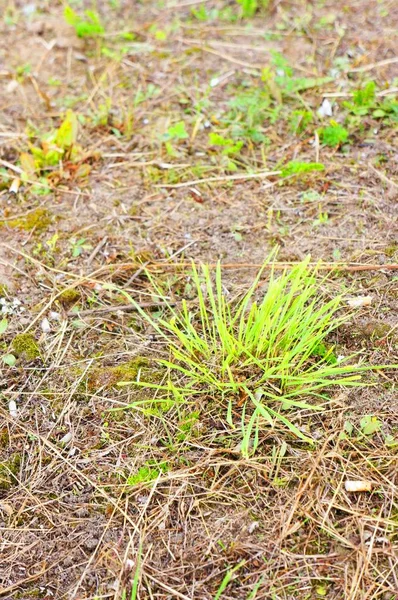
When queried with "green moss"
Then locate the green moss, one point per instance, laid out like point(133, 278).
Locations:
point(4, 437)
point(108, 377)
point(9, 471)
point(375, 330)
point(391, 250)
point(38, 219)
point(3, 290)
point(25, 346)
point(69, 296)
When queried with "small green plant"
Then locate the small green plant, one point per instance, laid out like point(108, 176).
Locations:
point(203, 13)
point(363, 100)
point(370, 425)
point(227, 578)
point(85, 26)
point(248, 7)
point(260, 356)
point(295, 167)
point(334, 135)
point(78, 247)
point(175, 133)
point(146, 474)
point(248, 111)
point(300, 120)
point(57, 156)
point(281, 77)
point(229, 146)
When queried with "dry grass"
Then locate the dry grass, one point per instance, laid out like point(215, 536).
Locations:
point(73, 525)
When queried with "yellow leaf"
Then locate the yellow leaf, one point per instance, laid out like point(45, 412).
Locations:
point(67, 133)
point(28, 164)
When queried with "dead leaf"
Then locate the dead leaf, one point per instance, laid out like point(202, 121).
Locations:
point(28, 164)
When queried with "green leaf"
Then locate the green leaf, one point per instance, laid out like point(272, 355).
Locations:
point(365, 96)
point(88, 26)
point(70, 16)
point(9, 359)
point(67, 133)
point(249, 7)
point(370, 425)
point(28, 164)
point(177, 131)
point(3, 325)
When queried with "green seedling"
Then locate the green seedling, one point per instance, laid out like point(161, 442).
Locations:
point(282, 75)
point(300, 121)
point(175, 133)
point(228, 145)
point(248, 111)
point(146, 474)
point(58, 156)
point(227, 578)
point(258, 356)
point(363, 100)
point(204, 13)
point(299, 168)
point(187, 425)
point(334, 135)
point(249, 8)
point(142, 95)
point(78, 247)
point(86, 26)
point(370, 425)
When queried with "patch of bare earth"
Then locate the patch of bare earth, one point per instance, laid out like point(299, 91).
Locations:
point(75, 520)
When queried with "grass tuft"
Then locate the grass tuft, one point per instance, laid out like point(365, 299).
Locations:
point(265, 356)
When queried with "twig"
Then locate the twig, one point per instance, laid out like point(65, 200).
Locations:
point(125, 307)
point(98, 247)
point(381, 63)
point(242, 177)
point(274, 265)
point(383, 177)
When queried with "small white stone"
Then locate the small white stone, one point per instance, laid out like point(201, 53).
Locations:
point(45, 325)
point(66, 439)
point(326, 109)
point(12, 407)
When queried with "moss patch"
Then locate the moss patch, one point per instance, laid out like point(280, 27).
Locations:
point(3, 290)
point(108, 377)
point(25, 346)
point(68, 297)
point(9, 471)
point(38, 219)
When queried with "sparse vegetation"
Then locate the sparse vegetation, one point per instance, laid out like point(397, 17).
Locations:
point(266, 357)
point(152, 154)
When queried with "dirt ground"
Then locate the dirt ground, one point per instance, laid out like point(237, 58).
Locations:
point(78, 518)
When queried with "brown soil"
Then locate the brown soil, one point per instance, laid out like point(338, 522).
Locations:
point(71, 524)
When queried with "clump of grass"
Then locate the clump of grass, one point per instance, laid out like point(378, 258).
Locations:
point(259, 357)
